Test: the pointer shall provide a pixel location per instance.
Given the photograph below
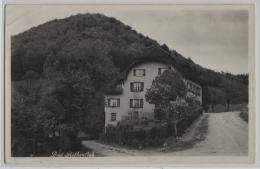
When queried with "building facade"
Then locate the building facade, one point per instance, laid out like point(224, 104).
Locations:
point(129, 100)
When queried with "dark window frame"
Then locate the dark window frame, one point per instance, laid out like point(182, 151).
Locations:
point(117, 102)
point(160, 72)
point(113, 116)
point(143, 74)
point(141, 103)
point(132, 87)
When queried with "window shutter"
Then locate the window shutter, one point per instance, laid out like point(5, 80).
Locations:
point(142, 86)
point(118, 102)
point(134, 72)
point(108, 103)
point(143, 72)
point(131, 103)
point(141, 102)
point(131, 87)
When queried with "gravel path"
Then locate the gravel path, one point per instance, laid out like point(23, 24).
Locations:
point(227, 135)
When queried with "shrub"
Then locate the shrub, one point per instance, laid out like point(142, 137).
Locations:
point(124, 133)
point(161, 132)
point(187, 120)
point(135, 138)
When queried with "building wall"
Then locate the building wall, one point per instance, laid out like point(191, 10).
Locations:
point(124, 111)
point(193, 89)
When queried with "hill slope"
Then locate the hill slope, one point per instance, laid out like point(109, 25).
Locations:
point(38, 46)
point(31, 48)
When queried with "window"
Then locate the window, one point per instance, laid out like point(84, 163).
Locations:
point(161, 70)
point(136, 103)
point(139, 72)
point(136, 86)
point(113, 116)
point(136, 115)
point(112, 102)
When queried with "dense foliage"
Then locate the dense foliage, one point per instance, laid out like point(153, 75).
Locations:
point(235, 87)
point(166, 87)
point(169, 94)
point(153, 136)
point(61, 69)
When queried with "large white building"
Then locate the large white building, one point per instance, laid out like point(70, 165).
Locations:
point(127, 99)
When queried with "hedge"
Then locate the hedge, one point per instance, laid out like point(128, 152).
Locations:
point(126, 135)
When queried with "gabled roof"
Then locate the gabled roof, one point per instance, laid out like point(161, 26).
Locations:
point(152, 54)
point(141, 60)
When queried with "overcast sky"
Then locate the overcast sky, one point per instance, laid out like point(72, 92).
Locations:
point(216, 39)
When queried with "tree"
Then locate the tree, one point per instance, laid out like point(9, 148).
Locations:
point(26, 125)
point(31, 77)
point(167, 93)
point(78, 77)
point(166, 88)
point(235, 92)
point(215, 96)
point(177, 111)
point(16, 61)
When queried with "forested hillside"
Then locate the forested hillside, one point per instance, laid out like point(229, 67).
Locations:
point(61, 69)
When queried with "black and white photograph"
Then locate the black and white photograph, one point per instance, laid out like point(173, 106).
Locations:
point(129, 81)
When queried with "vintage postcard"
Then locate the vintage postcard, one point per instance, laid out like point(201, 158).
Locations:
point(129, 84)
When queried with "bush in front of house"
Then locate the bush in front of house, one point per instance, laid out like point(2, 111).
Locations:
point(116, 134)
point(181, 113)
point(188, 120)
point(124, 134)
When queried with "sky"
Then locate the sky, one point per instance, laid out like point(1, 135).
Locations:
point(213, 38)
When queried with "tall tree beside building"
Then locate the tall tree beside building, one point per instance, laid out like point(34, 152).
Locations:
point(167, 93)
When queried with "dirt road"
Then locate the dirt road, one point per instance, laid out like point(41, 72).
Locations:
point(227, 135)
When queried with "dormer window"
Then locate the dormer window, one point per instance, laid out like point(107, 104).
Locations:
point(139, 72)
point(161, 70)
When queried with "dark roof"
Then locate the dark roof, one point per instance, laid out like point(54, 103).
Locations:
point(115, 89)
point(141, 60)
point(151, 54)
